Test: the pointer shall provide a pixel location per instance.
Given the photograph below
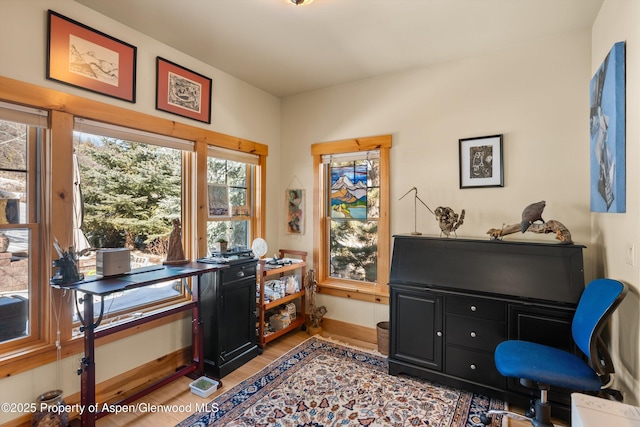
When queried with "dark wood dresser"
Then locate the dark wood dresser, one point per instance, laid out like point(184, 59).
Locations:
point(454, 300)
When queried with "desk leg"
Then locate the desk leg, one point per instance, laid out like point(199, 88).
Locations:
point(88, 375)
point(197, 328)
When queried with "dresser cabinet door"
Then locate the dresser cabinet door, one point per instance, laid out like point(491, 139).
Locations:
point(548, 326)
point(416, 327)
point(236, 312)
point(543, 325)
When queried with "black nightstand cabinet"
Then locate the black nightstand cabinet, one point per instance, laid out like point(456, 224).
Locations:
point(452, 301)
point(228, 313)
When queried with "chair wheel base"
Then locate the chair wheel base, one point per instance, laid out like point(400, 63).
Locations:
point(541, 417)
point(611, 394)
point(485, 420)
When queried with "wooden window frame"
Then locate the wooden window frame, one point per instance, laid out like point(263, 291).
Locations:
point(57, 193)
point(36, 148)
point(365, 291)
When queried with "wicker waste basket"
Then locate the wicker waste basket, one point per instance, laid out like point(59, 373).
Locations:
point(383, 337)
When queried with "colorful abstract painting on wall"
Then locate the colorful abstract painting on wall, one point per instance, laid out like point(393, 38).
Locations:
point(295, 211)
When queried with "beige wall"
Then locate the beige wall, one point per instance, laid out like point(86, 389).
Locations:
point(537, 95)
point(619, 20)
point(238, 109)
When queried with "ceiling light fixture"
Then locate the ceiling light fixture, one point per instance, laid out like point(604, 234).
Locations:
point(299, 2)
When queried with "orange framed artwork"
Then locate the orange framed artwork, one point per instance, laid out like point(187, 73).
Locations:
point(183, 92)
point(80, 56)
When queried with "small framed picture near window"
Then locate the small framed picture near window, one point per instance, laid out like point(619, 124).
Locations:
point(182, 92)
point(83, 57)
point(481, 162)
point(295, 210)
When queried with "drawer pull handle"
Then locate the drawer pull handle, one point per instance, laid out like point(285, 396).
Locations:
point(240, 274)
point(473, 367)
point(439, 333)
point(473, 308)
point(473, 334)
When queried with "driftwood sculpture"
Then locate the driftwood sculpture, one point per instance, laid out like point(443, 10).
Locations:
point(315, 313)
point(551, 226)
point(448, 220)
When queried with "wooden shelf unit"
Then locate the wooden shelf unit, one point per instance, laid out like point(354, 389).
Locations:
point(263, 307)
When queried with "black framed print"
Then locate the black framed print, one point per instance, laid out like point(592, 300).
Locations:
point(182, 91)
point(481, 162)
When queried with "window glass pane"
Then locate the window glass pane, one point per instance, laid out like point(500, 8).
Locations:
point(354, 250)
point(231, 225)
point(13, 197)
point(236, 233)
point(13, 145)
point(13, 173)
point(131, 192)
point(373, 176)
point(236, 174)
point(239, 202)
point(373, 202)
point(216, 171)
point(116, 303)
point(17, 280)
point(15, 284)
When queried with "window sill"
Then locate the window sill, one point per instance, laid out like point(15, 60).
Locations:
point(375, 294)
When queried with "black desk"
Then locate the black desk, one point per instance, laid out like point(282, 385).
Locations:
point(135, 279)
point(452, 301)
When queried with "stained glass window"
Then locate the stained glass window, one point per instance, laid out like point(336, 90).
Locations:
point(354, 211)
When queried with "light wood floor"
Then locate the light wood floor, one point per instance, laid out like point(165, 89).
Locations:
point(178, 392)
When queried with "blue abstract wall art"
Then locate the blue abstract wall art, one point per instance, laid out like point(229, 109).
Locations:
point(608, 175)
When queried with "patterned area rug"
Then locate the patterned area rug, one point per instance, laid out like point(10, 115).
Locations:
point(321, 383)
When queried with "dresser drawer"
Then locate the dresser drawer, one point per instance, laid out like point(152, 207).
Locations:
point(476, 366)
point(476, 307)
point(474, 333)
point(238, 273)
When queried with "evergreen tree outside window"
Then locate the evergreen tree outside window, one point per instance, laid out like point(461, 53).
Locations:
point(131, 192)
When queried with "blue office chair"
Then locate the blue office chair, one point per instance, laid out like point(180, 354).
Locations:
point(540, 366)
